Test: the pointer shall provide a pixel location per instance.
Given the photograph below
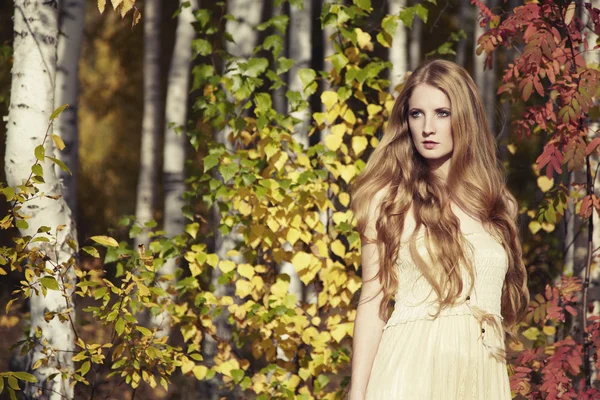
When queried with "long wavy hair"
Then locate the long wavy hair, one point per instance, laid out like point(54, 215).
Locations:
point(476, 183)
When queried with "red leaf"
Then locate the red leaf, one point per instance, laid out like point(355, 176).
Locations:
point(571, 310)
point(592, 146)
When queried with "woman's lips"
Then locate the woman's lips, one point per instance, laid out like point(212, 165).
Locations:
point(430, 144)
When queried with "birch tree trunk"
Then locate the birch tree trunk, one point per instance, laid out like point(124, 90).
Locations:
point(415, 43)
point(478, 60)
point(146, 187)
point(31, 103)
point(71, 18)
point(398, 51)
point(299, 51)
point(175, 145)
point(461, 48)
point(247, 14)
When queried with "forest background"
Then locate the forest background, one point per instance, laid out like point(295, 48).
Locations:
point(201, 245)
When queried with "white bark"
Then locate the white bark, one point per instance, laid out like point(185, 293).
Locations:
point(175, 144)
point(31, 103)
point(247, 14)
point(328, 50)
point(71, 18)
point(461, 48)
point(414, 48)
point(397, 52)
point(478, 60)
point(146, 187)
point(300, 52)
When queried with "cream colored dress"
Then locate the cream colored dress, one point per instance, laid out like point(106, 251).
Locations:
point(456, 356)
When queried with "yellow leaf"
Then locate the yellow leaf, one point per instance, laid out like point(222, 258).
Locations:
point(293, 235)
point(126, 6)
point(339, 217)
point(549, 330)
point(60, 145)
point(511, 148)
point(338, 248)
point(347, 172)
point(311, 219)
point(548, 227)
point(544, 183)
point(226, 266)
point(101, 5)
point(186, 365)
point(105, 241)
point(301, 260)
point(319, 117)
point(354, 284)
point(137, 16)
point(364, 40)
point(349, 116)
point(374, 142)
point(359, 144)
point(246, 270)
point(344, 199)
point(116, 3)
point(534, 227)
point(373, 109)
point(329, 98)
point(212, 260)
point(243, 288)
point(200, 371)
point(280, 288)
point(338, 332)
point(333, 142)
point(339, 130)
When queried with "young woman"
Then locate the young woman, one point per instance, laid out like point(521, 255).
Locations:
point(439, 236)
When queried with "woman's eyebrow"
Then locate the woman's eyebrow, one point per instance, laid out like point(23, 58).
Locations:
point(437, 109)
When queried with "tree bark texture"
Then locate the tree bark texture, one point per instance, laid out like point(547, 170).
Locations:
point(70, 36)
point(398, 53)
point(148, 171)
point(175, 143)
point(31, 103)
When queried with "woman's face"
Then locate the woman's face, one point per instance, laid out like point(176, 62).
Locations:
point(430, 123)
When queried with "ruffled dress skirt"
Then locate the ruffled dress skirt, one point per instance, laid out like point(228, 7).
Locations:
point(441, 359)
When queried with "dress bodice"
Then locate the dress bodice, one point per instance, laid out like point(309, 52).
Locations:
point(416, 299)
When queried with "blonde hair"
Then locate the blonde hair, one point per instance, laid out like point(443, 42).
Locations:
point(475, 183)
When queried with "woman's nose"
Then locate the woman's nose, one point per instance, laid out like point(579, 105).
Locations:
point(428, 127)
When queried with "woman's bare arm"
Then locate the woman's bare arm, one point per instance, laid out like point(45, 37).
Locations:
point(368, 326)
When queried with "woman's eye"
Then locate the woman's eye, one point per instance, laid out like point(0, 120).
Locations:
point(444, 113)
point(415, 114)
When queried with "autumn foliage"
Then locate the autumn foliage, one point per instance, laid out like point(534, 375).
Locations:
point(284, 203)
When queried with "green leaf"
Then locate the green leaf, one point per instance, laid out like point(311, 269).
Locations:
point(339, 61)
point(421, 12)
point(9, 193)
point(13, 383)
point(283, 65)
point(91, 251)
point(237, 375)
point(120, 326)
point(21, 224)
point(24, 376)
point(364, 4)
point(100, 292)
point(61, 165)
point(228, 171)
point(85, 368)
point(256, 66)
point(263, 103)
point(57, 112)
point(40, 152)
point(201, 47)
point(144, 331)
point(37, 169)
point(1, 384)
point(192, 229)
point(105, 241)
point(49, 282)
point(210, 161)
